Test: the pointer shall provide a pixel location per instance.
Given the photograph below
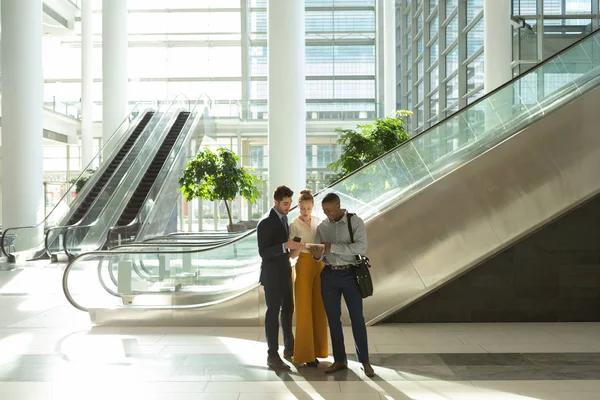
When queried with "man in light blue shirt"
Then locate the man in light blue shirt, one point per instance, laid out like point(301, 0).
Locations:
point(339, 278)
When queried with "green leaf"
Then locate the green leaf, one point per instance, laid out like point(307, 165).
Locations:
point(218, 176)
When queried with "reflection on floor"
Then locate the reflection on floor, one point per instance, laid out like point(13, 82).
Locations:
point(49, 351)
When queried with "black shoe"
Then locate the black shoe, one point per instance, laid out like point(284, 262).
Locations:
point(277, 364)
point(288, 354)
point(313, 364)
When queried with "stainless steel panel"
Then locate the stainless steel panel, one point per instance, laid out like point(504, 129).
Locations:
point(490, 202)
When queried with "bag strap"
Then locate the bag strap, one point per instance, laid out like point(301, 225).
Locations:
point(349, 217)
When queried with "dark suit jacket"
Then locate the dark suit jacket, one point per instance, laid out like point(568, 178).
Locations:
point(275, 266)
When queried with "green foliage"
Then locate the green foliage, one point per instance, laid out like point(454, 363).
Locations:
point(364, 145)
point(217, 176)
point(79, 183)
point(369, 142)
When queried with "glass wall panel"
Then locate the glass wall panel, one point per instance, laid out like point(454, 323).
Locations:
point(452, 31)
point(450, 6)
point(452, 61)
point(475, 75)
point(452, 90)
point(475, 38)
point(474, 7)
point(434, 52)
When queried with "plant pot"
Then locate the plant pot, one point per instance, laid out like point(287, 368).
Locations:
point(236, 228)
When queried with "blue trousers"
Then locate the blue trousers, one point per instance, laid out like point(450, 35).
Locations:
point(334, 285)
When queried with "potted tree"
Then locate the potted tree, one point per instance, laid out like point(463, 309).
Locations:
point(218, 176)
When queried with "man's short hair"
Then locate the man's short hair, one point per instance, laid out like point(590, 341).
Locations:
point(282, 191)
point(331, 198)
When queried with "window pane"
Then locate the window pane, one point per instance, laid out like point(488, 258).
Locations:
point(452, 61)
point(474, 7)
point(452, 31)
point(434, 79)
point(450, 6)
point(452, 91)
point(475, 38)
point(433, 27)
point(433, 52)
point(434, 104)
point(475, 73)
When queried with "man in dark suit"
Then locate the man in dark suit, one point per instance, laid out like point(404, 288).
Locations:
point(276, 276)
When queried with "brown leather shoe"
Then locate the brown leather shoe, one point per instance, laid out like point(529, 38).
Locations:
point(277, 364)
point(336, 366)
point(288, 354)
point(368, 370)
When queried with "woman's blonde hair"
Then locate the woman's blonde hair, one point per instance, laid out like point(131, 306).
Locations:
point(305, 195)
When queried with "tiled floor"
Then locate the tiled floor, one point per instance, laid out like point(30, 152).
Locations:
point(48, 350)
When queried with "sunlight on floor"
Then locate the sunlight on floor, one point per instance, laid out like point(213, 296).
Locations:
point(13, 346)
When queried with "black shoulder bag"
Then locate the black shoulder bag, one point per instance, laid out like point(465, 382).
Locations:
point(363, 276)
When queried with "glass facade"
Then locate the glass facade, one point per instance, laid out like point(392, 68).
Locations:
point(440, 52)
point(441, 57)
point(543, 28)
point(219, 47)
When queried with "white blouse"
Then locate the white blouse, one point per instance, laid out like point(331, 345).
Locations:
point(300, 229)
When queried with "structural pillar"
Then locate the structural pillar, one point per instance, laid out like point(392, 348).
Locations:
point(114, 65)
point(22, 127)
point(389, 57)
point(287, 95)
point(87, 82)
point(497, 43)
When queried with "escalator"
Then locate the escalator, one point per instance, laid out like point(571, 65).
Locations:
point(156, 216)
point(90, 232)
point(28, 242)
point(134, 205)
point(109, 171)
point(436, 206)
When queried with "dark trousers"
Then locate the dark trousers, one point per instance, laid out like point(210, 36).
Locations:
point(334, 285)
point(280, 302)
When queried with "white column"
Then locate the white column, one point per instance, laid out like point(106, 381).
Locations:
point(389, 57)
point(22, 95)
point(87, 81)
point(497, 43)
point(114, 65)
point(287, 96)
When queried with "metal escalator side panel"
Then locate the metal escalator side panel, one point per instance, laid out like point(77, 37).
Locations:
point(480, 209)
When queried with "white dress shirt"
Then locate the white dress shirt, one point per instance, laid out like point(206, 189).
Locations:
point(303, 231)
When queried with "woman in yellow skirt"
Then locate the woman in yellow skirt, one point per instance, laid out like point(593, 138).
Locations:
point(311, 320)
